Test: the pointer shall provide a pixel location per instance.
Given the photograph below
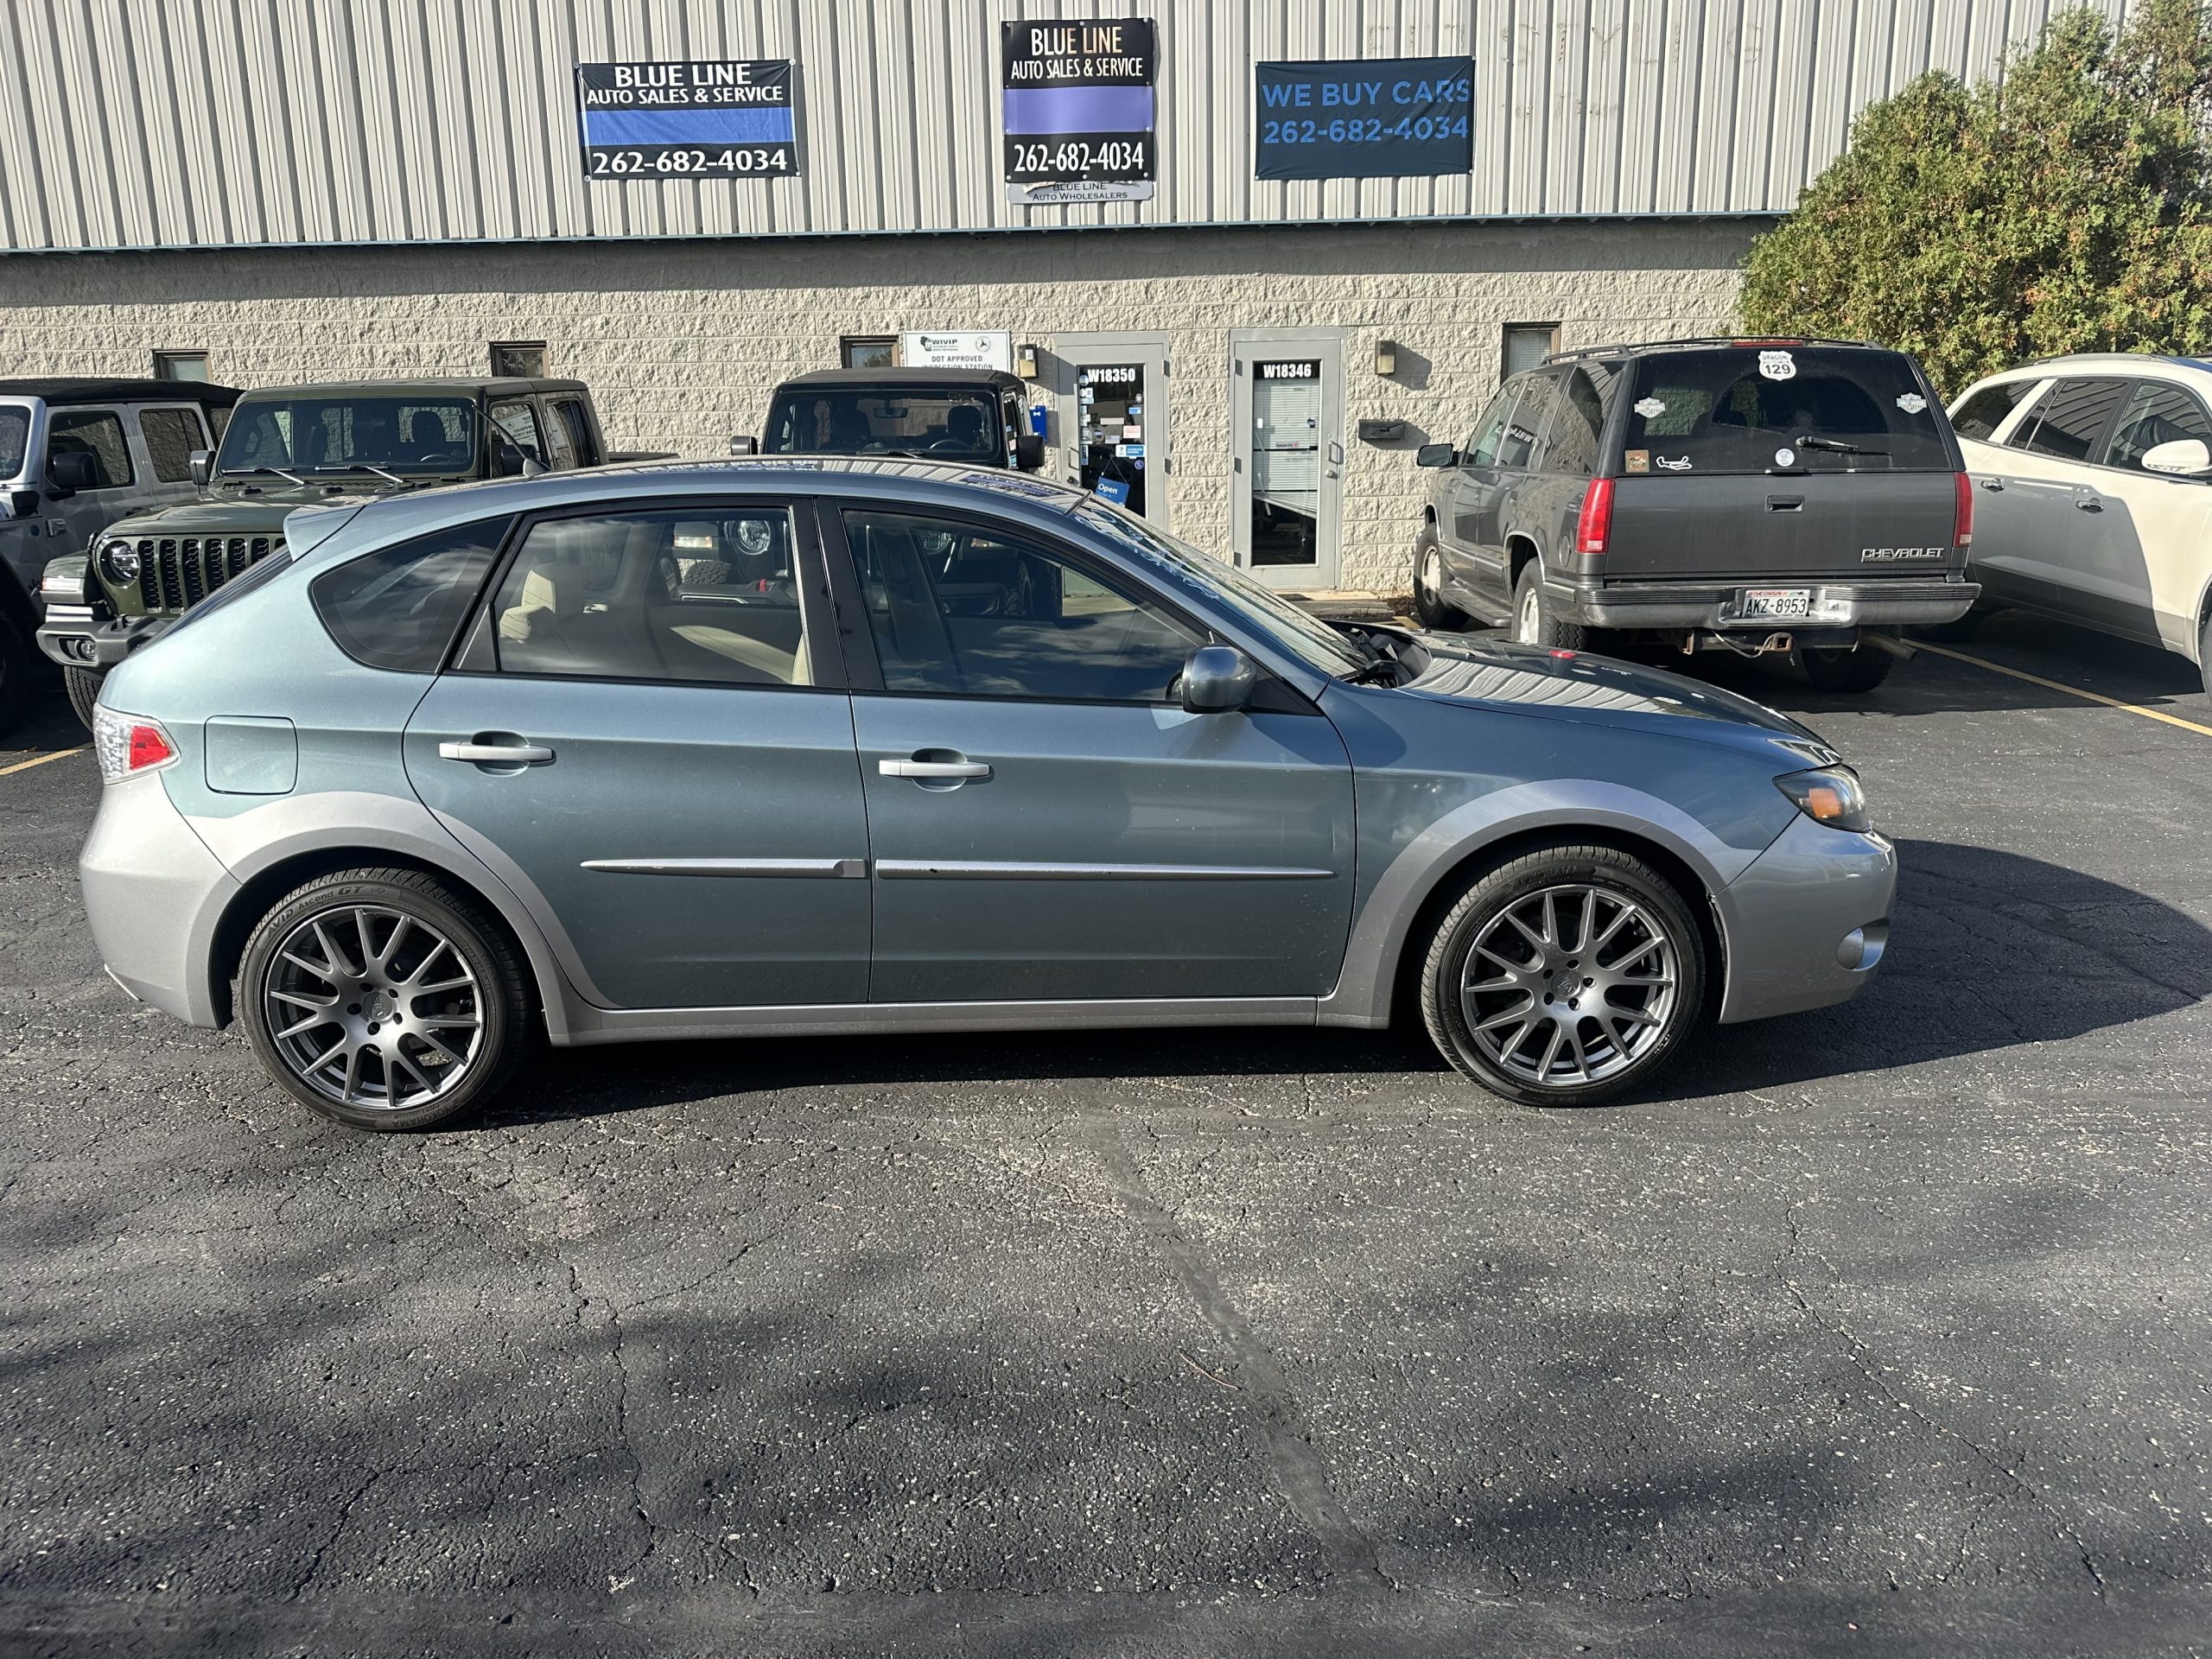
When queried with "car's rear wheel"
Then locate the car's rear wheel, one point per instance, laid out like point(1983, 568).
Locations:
point(2204, 652)
point(1564, 977)
point(384, 1000)
point(1431, 608)
point(1535, 623)
point(84, 691)
point(1857, 668)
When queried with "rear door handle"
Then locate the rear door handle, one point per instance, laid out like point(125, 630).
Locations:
point(2088, 501)
point(1785, 503)
point(970, 769)
point(497, 754)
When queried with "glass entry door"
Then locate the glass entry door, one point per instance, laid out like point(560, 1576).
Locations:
point(1112, 418)
point(1288, 456)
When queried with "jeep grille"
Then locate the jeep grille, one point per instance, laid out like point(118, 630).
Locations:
point(177, 572)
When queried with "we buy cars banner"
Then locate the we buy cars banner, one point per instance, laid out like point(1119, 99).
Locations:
point(1363, 118)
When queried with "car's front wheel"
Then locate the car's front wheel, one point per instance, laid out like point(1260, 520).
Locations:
point(2204, 652)
point(1564, 975)
point(384, 1000)
point(1431, 608)
point(84, 691)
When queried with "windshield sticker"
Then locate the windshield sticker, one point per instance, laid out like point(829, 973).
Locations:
point(1777, 366)
point(1648, 407)
point(1682, 464)
point(1912, 403)
point(1785, 456)
point(1639, 461)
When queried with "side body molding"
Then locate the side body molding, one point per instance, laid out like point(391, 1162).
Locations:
point(1385, 917)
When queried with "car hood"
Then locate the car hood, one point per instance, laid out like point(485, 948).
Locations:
point(1575, 685)
point(262, 514)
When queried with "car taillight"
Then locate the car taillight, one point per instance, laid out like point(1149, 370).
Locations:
point(1595, 522)
point(1961, 509)
point(129, 744)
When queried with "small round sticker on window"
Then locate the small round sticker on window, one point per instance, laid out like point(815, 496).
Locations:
point(1785, 457)
point(1912, 403)
point(1777, 366)
point(1648, 407)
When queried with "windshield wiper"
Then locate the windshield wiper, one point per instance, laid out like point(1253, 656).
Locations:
point(1375, 670)
point(251, 472)
point(1837, 445)
point(362, 467)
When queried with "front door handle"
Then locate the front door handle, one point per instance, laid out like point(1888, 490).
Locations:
point(1785, 503)
point(497, 754)
point(959, 769)
point(2088, 501)
point(1996, 486)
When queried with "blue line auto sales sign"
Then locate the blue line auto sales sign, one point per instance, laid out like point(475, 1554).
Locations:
point(714, 120)
point(1076, 100)
point(1363, 118)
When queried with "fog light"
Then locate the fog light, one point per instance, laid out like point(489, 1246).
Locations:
point(1862, 947)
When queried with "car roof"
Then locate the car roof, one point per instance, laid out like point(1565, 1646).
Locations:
point(1698, 343)
point(84, 389)
point(427, 386)
point(2102, 362)
point(917, 376)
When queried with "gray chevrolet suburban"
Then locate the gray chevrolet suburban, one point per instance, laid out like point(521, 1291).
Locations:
point(1804, 496)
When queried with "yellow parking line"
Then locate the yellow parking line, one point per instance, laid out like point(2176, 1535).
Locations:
point(2070, 690)
point(41, 760)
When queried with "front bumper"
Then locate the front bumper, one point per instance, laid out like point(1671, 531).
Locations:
point(76, 636)
point(1807, 923)
point(1906, 601)
point(154, 894)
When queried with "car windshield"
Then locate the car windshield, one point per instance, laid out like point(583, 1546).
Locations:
point(15, 436)
point(1183, 568)
point(925, 421)
point(416, 437)
point(1781, 408)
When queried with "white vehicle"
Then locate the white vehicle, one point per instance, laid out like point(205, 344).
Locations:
point(2092, 485)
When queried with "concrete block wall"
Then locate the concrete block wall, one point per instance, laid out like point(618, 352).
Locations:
point(683, 341)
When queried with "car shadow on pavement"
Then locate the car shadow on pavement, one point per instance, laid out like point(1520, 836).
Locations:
point(1990, 950)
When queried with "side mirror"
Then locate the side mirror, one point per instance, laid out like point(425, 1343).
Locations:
point(508, 460)
point(70, 471)
point(1436, 454)
point(2182, 457)
point(200, 461)
point(1218, 680)
point(532, 467)
point(1028, 451)
point(743, 445)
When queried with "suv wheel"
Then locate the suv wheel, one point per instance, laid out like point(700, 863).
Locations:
point(1564, 975)
point(384, 1000)
point(1533, 622)
point(1859, 668)
point(2204, 652)
point(84, 691)
point(1431, 609)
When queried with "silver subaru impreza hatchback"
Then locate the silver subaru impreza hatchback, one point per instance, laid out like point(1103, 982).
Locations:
point(845, 746)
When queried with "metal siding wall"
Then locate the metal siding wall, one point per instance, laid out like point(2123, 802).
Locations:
point(213, 123)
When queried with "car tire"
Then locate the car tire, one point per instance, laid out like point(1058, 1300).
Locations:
point(1534, 621)
point(319, 947)
point(18, 662)
point(1522, 923)
point(1431, 609)
point(84, 688)
point(2204, 652)
point(1859, 669)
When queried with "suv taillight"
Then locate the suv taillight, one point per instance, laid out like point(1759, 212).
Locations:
point(129, 744)
point(1961, 509)
point(1595, 522)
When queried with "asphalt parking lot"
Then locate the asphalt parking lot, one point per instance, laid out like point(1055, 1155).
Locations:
point(1882, 1330)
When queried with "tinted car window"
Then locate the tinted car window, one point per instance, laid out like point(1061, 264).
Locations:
point(398, 608)
point(1482, 449)
point(1737, 409)
point(696, 594)
point(976, 611)
point(15, 434)
point(2156, 412)
point(92, 432)
point(1518, 440)
point(1982, 414)
point(1540, 411)
point(516, 422)
point(171, 436)
point(432, 436)
point(1573, 444)
point(569, 412)
point(2070, 418)
point(957, 425)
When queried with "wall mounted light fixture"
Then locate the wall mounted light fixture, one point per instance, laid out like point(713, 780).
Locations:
point(1024, 361)
point(1386, 357)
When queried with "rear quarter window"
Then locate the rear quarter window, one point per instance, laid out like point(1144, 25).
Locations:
point(399, 608)
point(1982, 414)
point(1744, 409)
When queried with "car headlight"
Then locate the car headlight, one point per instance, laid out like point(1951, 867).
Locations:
point(1829, 795)
point(62, 581)
point(119, 561)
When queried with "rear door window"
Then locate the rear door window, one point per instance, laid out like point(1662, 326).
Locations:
point(1572, 446)
point(171, 436)
point(1791, 408)
point(1538, 416)
point(2156, 412)
point(1982, 414)
point(2070, 419)
point(569, 412)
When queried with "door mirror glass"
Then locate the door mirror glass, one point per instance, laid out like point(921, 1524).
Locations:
point(1436, 454)
point(72, 470)
point(1218, 680)
point(2186, 457)
point(199, 463)
point(1028, 451)
point(744, 444)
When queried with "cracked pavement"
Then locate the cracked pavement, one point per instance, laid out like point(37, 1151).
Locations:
point(1882, 1330)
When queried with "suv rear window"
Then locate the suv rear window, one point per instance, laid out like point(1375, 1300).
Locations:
point(1750, 409)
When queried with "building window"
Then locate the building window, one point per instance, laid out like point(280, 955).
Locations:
point(867, 351)
point(179, 365)
point(521, 359)
point(1528, 344)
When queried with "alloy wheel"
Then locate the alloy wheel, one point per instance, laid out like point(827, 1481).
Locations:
point(374, 1008)
point(1570, 985)
point(1527, 621)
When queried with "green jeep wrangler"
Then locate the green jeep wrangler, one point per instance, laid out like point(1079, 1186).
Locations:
point(286, 448)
